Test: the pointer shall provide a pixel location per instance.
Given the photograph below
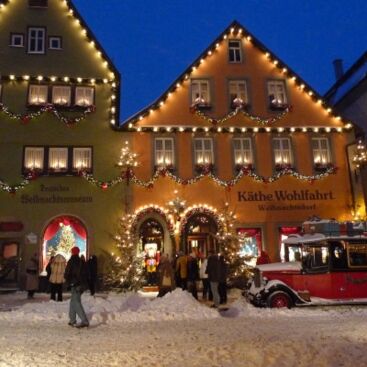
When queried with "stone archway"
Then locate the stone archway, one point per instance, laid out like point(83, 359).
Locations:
point(199, 231)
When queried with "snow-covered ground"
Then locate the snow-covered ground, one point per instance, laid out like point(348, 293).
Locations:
point(133, 330)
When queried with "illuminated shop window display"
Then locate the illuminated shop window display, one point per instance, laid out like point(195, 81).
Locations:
point(289, 252)
point(251, 243)
point(61, 235)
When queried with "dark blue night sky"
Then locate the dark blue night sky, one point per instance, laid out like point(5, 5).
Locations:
point(151, 42)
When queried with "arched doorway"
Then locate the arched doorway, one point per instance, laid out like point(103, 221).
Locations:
point(60, 235)
point(151, 240)
point(199, 234)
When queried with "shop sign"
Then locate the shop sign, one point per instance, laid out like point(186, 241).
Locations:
point(55, 194)
point(31, 238)
point(285, 199)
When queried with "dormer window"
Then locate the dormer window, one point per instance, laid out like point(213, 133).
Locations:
point(277, 95)
point(61, 95)
point(54, 43)
point(36, 40)
point(38, 95)
point(234, 51)
point(200, 93)
point(17, 40)
point(84, 96)
point(37, 3)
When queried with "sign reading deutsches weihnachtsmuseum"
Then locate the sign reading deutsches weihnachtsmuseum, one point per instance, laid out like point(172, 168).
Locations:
point(275, 200)
point(55, 194)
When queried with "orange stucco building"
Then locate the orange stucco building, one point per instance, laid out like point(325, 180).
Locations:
point(238, 131)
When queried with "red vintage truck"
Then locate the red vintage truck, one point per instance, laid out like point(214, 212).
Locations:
point(330, 270)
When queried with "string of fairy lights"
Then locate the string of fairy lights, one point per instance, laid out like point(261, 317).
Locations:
point(237, 111)
point(235, 31)
point(49, 108)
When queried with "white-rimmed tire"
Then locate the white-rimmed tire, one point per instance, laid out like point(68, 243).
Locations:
point(279, 299)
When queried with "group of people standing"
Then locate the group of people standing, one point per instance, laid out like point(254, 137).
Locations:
point(77, 273)
point(187, 271)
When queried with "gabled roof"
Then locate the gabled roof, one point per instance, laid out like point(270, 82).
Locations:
point(234, 28)
point(91, 37)
point(350, 80)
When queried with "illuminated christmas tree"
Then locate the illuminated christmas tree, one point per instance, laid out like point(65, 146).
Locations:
point(67, 240)
point(238, 268)
point(125, 268)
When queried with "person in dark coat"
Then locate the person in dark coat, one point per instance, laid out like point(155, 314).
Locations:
point(166, 281)
point(48, 273)
point(32, 280)
point(222, 286)
point(92, 274)
point(76, 279)
point(192, 274)
point(213, 272)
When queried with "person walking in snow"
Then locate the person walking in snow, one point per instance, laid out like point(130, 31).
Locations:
point(213, 271)
point(92, 274)
point(32, 280)
point(58, 266)
point(181, 269)
point(207, 293)
point(165, 276)
point(192, 274)
point(76, 278)
point(222, 286)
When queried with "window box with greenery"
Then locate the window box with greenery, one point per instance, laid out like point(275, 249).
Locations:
point(323, 167)
point(204, 168)
point(244, 167)
point(283, 167)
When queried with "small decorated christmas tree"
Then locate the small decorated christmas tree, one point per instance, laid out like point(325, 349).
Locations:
point(125, 268)
point(67, 240)
point(238, 269)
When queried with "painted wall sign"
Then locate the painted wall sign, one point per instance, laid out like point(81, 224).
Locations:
point(285, 195)
point(54, 194)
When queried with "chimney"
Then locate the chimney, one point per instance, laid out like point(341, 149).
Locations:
point(338, 68)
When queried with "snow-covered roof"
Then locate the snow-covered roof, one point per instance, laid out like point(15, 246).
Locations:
point(307, 238)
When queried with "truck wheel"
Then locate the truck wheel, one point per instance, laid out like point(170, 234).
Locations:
point(279, 299)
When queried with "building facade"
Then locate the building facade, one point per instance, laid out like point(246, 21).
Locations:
point(238, 133)
point(348, 96)
point(59, 95)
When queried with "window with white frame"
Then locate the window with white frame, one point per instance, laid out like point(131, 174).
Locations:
point(34, 158)
point(321, 151)
point(282, 152)
point(82, 159)
point(84, 96)
point(164, 152)
point(203, 151)
point(234, 51)
point(38, 94)
point(36, 40)
point(277, 93)
point(238, 93)
point(54, 43)
point(242, 151)
point(16, 40)
point(200, 92)
point(61, 95)
point(58, 159)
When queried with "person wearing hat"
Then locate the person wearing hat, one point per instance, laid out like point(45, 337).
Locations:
point(76, 278)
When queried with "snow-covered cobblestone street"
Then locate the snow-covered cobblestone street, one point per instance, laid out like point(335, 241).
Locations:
point(131, 330)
